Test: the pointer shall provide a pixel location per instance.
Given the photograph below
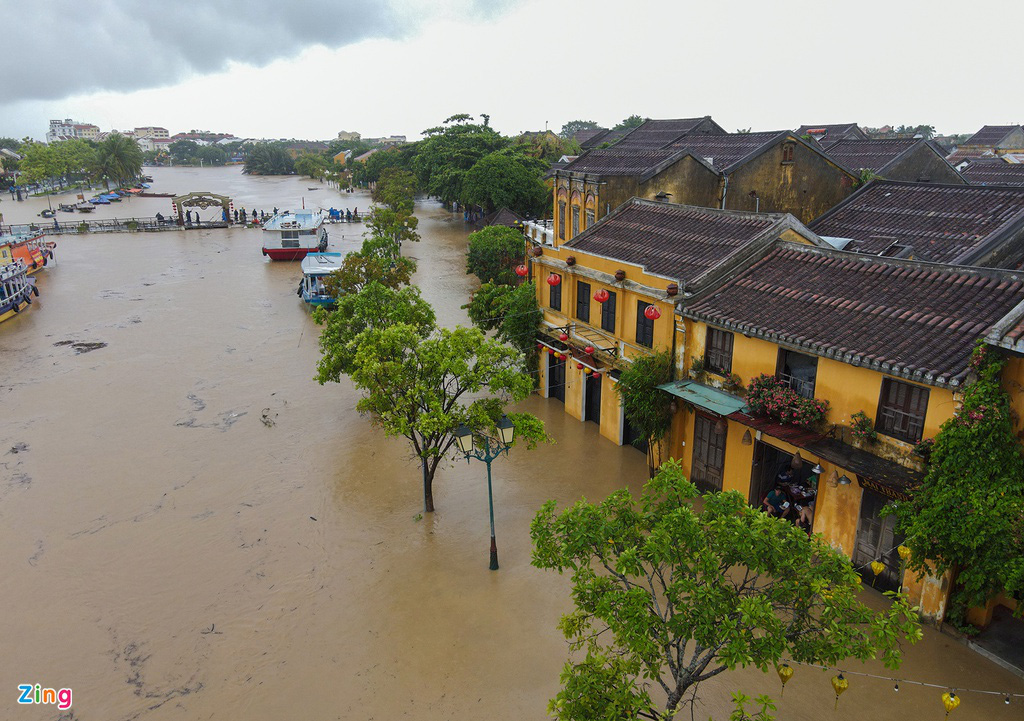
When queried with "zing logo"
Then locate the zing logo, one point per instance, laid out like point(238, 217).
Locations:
point(36, 694)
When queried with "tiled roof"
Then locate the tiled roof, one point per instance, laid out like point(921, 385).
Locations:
point(869, 154)
point(724, 151)
point(942, 223)
point(681, 242)
point(655, 134)
point(582, 136)
point(994, 171)
point(989, 135)
point(616, 161)
point(905, 318)
point(502, 216)
point(829, 134)
point(961, 154)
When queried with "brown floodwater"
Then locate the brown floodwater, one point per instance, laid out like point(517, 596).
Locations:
point(193, 528)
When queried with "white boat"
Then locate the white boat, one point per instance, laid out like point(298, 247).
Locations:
point(290, 235)
point(315, 267)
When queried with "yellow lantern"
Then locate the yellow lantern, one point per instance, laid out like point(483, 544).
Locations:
point(950, 700)
point(785, 673)
point(840, 684)
point(877, 567)
point(586, 371)
point(903, 551)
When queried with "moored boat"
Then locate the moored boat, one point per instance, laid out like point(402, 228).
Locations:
point(16, 289)
point(315, 268)
point(290, 235)
point(31, 250)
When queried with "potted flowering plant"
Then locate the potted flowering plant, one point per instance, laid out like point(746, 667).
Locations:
point(772, 397)
point(862, 428)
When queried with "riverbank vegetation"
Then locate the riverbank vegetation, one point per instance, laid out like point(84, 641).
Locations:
point(115, 159)
point(418, 381)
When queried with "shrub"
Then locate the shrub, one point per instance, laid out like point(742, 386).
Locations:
point(862, 427)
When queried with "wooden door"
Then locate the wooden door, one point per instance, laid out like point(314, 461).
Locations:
point(593, 402)
point(556, 378)
point(708, 453)
point(877, 541)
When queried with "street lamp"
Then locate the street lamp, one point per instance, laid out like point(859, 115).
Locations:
point(488, 449)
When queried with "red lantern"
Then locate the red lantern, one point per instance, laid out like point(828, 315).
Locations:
point(596, 374)
point(554, 279)
point(540, 346)
point(579, 366)
point(589, 350)
point(652, 312)
point(563, 337)
point(601, 296)
point(521, 271)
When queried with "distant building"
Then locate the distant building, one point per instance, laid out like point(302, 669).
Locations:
point(390, 140)
point(829, 134)
point(69, 129)
point(993, 171)
point(346, 135)
point(151, 131)
point(913, 160)
point(991, 140)
point(342, 157)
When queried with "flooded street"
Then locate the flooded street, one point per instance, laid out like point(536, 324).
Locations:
point(193, 528)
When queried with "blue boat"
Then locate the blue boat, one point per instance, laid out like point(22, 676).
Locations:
point(99, 201)
point(315, 267)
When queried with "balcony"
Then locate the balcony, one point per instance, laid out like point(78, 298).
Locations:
point(540, 231)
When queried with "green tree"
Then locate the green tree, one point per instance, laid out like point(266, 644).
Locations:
point(395, 190)
point(210, 155)
point(422, 389)
point(646, 407)
point(447, 153)
point(118, 158)
point(268, 159)
point(182, 151)
point(631, 122)
point(575, 126)
point(372, 307)
point(494, 252)
point(507, 179)
point(968, 515)
point(369, 171)
point(10, 144)
point(312, 165)
point(39, 162)
point(377, 261)
point(512, 310)
point(673, 591)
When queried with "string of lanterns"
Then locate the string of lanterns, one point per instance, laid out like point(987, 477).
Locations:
point(950, 700)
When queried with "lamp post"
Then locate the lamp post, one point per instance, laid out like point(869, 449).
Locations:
point(487, 450)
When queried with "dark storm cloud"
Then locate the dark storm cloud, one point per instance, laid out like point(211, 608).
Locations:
point(66, 48)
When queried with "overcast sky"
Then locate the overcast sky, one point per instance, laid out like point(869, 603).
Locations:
point(309, 68)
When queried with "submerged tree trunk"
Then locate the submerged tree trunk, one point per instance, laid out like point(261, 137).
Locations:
point(428, 486)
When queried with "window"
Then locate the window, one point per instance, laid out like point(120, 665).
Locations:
point(608, 313)
point(575, 221)
point(798, 371)
point(561, 220)
point(901, 410)
point(788, 149)
point(644, 325)
point(555, 295)
point(708, 453)
point(718, 351)
point(590, 218)
point(583, 301)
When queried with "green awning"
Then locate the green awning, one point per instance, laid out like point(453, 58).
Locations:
point(712, 399)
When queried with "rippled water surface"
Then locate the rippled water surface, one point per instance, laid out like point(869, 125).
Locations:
point(192, 528)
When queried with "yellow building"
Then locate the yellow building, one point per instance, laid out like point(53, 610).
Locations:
point(610, 294)
point(774, 172)
point(886, 338)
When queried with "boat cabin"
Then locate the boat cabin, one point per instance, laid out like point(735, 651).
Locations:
point(315, 268)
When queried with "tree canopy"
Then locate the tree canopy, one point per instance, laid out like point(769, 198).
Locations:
point(575, 126)
point(448, 151)
point(631, 122)
point(507, 179)
point(118, 158)
point(268, 159)
point(673, 592)
point(494, 252)
point(968, 514)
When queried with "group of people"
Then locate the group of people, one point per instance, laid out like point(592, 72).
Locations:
point(258, 217)
point(791, 498)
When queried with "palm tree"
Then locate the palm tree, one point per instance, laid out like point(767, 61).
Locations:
point(119, 158)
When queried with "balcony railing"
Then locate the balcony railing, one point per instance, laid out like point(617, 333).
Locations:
point(540, 231)
point(900, 424)
point(803, 386)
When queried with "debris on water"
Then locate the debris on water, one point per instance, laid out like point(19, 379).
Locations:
point(211, 630)
point(312, 518)
point(81, 347)
point(18, 448)
point(267, 418)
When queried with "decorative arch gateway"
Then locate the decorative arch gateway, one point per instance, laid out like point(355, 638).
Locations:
point(202, 200)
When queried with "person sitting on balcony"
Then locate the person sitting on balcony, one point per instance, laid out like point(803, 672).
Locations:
point(776, 503)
